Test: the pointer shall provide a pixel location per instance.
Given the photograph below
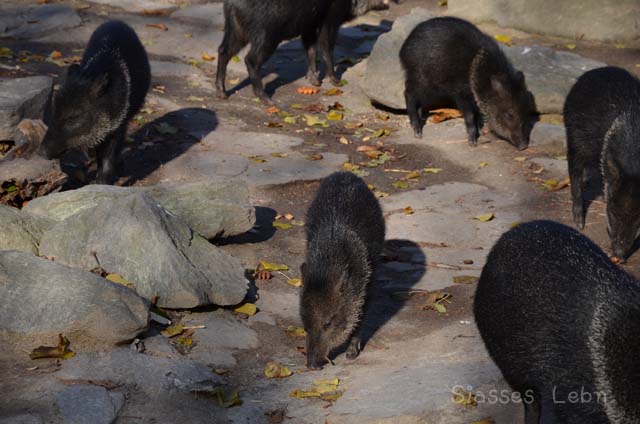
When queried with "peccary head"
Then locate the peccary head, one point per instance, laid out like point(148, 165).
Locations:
point(360, 7)
point(623, 208)
point(502, 96)
point(332, 301)
point(84, 112)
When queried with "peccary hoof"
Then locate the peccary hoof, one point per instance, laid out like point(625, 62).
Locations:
point(473, 142)
point(313, 80)
point(417, 133)
point(222, 95)
point(579, 218)
point(335, 82)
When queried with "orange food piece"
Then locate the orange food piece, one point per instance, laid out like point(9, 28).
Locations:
point(308, 91)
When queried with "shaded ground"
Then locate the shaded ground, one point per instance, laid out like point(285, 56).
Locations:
point(414, 357)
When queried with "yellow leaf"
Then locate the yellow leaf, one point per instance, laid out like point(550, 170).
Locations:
point(484, 164)
point(296, 331)
point(61, 351)
point(208, 57)
point(380, 194)
point(173, 330)
point(514, 224)
point(333, 382)
point(335, 115)
point(276, 370)
point(334, 92)
point(412, 175)
point(485, 217)
point(401, 185)
point(503, 39)
point(280, 155)
point(234, 81)
point(273, 267)
point(331, 397)
point(290, 120)
point(316, 156)
point(295, 282)
point(281, 225)
point(408, 210)
point(221, 371)
point(432, 170)
point(195, 99)
point(6, 52)
point(314, 120)
point(302, 394)
point(118, 279)
point(248, 309)
point(570, 46)
point(465, 279)
point(549, 184)
point(256, 159)
point(487, 420)
point(235, 59)
point(620, 46)
point(520, 159)
point(348, 166)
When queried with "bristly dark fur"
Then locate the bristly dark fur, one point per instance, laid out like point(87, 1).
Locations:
point(602, 118)
point(558, 317)
point(265, 24)
point(449, 62)
point(99, 97)
point(345, 237)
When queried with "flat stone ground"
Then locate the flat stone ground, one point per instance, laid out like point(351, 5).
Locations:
point(413, 358)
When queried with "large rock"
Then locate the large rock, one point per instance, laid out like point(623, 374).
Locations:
point(139, 5)
point(22, 98)
point(85, 403)
point(21, 230)
point(605, 20)
point(384, 80)
point(210, 208)
point(209, 14)
point(36, 21)
point(41, 299)
point(549, 74)
point(150, 247)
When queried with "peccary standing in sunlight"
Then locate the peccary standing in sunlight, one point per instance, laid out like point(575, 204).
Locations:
point(602, 117)
point(99, 97)
point(345, 237)
point(561, 321)
point(448, 62)
point(265, 24)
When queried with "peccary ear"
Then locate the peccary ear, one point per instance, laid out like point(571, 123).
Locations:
point(99, 85)
point(498, 85)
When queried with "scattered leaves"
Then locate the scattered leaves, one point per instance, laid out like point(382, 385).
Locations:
point(61, 351)
point(119, 279)
point(326, 390)
point(173, 330)
point(412, 175)
point(248, 309)
point(276, 370)
point(466, 399)
point(436, 300)
point(334, 92)
point(401, 184)
point(282, 225)
point(314, 120)
point(308, 91)
point(6, 52)
point(335, 115)
point(486, 217)
point(293, 331)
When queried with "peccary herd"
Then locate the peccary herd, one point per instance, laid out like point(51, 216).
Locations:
point(556, 315)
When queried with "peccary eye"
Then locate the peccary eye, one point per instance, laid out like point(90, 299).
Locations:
point(327, 324)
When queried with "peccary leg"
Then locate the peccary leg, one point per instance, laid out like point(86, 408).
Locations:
point(532, 412)
point(309, 42)
point(231, 44)
point(353, 350)
point(327, 41)
point(471, 119)
point(259, 53)
point(576, 177)
point(414, 110)
point(107, 156)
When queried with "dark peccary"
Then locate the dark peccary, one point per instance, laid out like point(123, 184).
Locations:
point(99, 97)
point(448, 62)
point(602, 117)
point(265, 24)
point(345, 237)
point(558, 317)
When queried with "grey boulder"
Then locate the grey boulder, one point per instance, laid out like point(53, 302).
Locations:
point(22, 98)
point(36, 21)
point(151, 248)
point(210, 208)
point(41, 299)
point(89, 404)
point(384, 78)
point(21, 230)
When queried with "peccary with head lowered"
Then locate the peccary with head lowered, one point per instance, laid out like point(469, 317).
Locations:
point(264, 24)
point(99, 97)
point(561, 321)
point(602, 117)
point(448, 62)
point(345, 237)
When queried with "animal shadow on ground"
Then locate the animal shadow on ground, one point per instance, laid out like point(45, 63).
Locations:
point(406, 264)
point(163, 140)
point(289, 62)
point(262, 231)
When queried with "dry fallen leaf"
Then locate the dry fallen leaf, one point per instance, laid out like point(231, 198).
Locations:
point(316, 156)
point(296, 331)
point(295, 282)
point(308, 91)
point(333, 92)
point(56, 54)
point(401, 184)
point(441, 115)
point(276, 370)
point(412, 175)
point(432, 170)
point(208, 57)
point(505, 39)
point(466, 399)
point(173, 330)
point(272, 110)
point(248, 309)
point(282, 225)
point(273, 267)
point(408, 210)
point(343, 140)
point(61, 351)
point(119, 279)
point(163, 27)
point(335, 115)
point(465, 279)
point(483, 164)
point(485, 217)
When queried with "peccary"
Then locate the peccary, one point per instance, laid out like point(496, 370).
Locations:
point(602, 118)
point(561, 321)
point(265, 25)
point(448, 62)
point(345, 236)
point(99, 96)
